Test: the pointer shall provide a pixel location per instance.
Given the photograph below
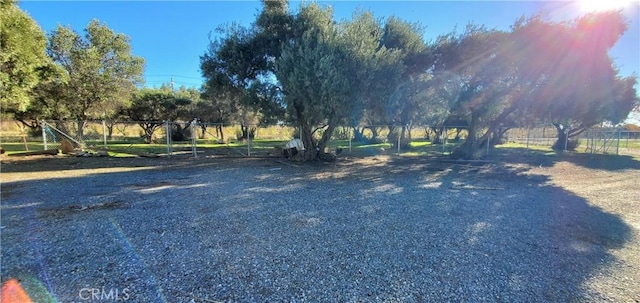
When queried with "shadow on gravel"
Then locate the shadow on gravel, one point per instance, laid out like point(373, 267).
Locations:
point(64, 163)
point(410, 230)
point(546, 159)
point(68, 163)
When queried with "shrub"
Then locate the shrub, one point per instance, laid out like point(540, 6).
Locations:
point(571, 144)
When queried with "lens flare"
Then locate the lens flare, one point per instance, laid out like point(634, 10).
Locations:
point(588, 6)
point(12, 292)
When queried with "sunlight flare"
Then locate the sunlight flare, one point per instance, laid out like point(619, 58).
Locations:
point(588, 6)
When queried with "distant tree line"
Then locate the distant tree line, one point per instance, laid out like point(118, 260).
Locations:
point(309, 70)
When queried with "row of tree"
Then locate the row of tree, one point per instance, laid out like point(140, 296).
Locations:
point(324, 73)
point(66, 75)
point(307, 69)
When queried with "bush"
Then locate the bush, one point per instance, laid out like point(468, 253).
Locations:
point(571, 145)
point(180, 134)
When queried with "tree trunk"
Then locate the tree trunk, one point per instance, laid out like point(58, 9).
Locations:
point(322, 144)
point(148, 134)
point(457, 137)
point(403, 134)
point(110, 125)
point(219, 132)
point(357, 134)
point(35, 128)
point(149, 129)
point(391, 137)
point(497, 136)
point(562, 137)
point(80, 132)
point(247, 132)
point(469, 148)
point(203, 130)
point(437, 135)
point(374, 132)
point(310, 152)
point(62, 126)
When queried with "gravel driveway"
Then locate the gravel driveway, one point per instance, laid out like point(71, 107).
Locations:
point(374, 230)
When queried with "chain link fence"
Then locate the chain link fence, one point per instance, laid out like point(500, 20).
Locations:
point(193, 138)
point(595, 140)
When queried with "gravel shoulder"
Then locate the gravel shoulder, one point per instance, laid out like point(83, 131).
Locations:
point(377, 229)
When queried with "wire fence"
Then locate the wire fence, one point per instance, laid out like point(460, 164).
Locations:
point(194, 138)
point(595, 140)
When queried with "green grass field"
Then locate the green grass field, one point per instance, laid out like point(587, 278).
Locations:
point(419, 147)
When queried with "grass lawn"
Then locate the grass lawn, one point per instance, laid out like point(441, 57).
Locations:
point(418, 147)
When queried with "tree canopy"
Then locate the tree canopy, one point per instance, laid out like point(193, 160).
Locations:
point(101, 69)
point(375, 71)
point(22, 54)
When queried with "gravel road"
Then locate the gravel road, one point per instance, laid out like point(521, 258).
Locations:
point(374, 230)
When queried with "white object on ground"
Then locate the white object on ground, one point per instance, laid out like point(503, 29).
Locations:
point(297, 143)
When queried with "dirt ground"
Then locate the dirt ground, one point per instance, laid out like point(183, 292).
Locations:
point(606, 183)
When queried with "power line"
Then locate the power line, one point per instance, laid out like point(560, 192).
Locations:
point(174, 82)
point(178, 76)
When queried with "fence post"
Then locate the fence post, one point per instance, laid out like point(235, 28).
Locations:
point(399, 134)
point(194, 133)
point(104, 133)
point(44, 134)
point(528, 134)
point(566, 141)
point(350, 138)
point(248, 142)
point(488, 143)
point(168, 134)
point(618, 143)
point(445, 140)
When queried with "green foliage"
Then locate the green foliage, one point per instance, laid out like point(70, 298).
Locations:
point(325, 73)
point(48, 96)
point(102, 72)
point(419, 100)
point(266, 100)
point(236, 66)
point(570, 93)
point(22, 53)
point(157, 105)
point(333, 71)
point(151, 107)
point(408, 39)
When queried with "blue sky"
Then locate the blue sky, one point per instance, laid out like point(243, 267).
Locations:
point(172, 35)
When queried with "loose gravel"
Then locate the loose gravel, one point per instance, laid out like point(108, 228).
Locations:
point(374, 230)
